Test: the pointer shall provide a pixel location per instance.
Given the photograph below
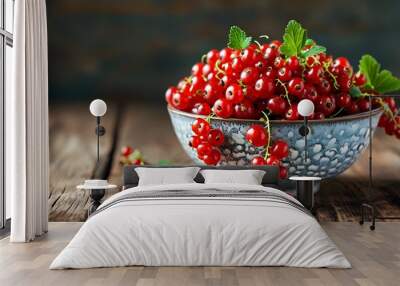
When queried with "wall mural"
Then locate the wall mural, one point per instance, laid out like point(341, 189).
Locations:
point(140, 55)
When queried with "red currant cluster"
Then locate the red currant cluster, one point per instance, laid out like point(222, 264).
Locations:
point(243, 83)
point(247, 78)
point(258, 136)
point(250, 80)
point(206, 141)
point(130, 156)
point(390, 120)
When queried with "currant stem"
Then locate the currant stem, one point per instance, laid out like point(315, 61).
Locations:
point(337, 113)
point(210, 116)
point(386, 108)
point(286, 95)
point(269, 135)
point(326, 68)
point(242, 85)
point(219, 70)
point(258, 44)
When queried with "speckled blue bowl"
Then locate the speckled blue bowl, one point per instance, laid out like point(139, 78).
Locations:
point(333, 144)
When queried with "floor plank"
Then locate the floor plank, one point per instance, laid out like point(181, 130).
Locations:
point(375, 257)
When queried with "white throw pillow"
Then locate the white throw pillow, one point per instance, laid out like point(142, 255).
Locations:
point(165, 176)
point(248, 177)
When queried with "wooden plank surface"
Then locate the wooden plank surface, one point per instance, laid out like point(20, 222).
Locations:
point(73, 158)
point(375, 259)
point(147, 127)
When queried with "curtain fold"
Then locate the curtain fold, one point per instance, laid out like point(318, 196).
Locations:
point(27, 141)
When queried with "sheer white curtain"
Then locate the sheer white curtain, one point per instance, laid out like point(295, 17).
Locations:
point(27, 148)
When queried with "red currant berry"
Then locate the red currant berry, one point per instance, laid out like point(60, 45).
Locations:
point(314, 74)
point(204, 149)
point(344, 83)
point(197, 69)
point(390, 127)
point(310, 92)
point(343, 100)
point(260, 66)
point(293, 64)
point(213, 158)
point(324, 87)
point(280, 149)
point(359, 79)
point(397, 133)
point(223, 108)
point(383, 120)
point(194, 141)
point(270, 54)
point(271, 73)
point(216, 137)
point(273, 161)
point(265, 87)
point(126, 151)
point(225, 55)
point(249, 75)
point(327, 104)
point(275, 44)
point(258, 161)
point(391, 103)
point(212, 57)
point(247, 56)
point(284, 74)
point(234, 93)
point(257, 135)
point(226, 80)
point(237, 65)
point(212, 92)
point(352, 108)
point(197, 84)
point(180, 101)
point(212, 77)
point(227, 68)
point(244, 110)
point(292, 113)
point(201, 108)
point(342, 66)
point(277, 105)
point(283, 173)
point(363, 105)
point(168, 94)
point(206, 70)
point(296, 87)
point(201, 127)
point(250, 93)
point(279, 62)
point(318, 116)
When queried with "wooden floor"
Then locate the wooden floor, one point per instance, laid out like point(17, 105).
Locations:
point(375, 257)
point(147, 127)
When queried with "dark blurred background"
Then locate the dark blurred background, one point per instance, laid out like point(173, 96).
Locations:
point(134, 49)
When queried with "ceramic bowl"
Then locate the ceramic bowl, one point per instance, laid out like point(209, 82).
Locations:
point(333, 144)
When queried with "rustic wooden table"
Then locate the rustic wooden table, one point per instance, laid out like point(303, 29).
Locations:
point(147, 127)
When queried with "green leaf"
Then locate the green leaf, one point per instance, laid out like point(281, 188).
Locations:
point(381, 81)
point(386, 82)
point(309, 42)
point(369, 66)
point(238, 38)
point(355, 92)
point(294, 39)
point(314, 50)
